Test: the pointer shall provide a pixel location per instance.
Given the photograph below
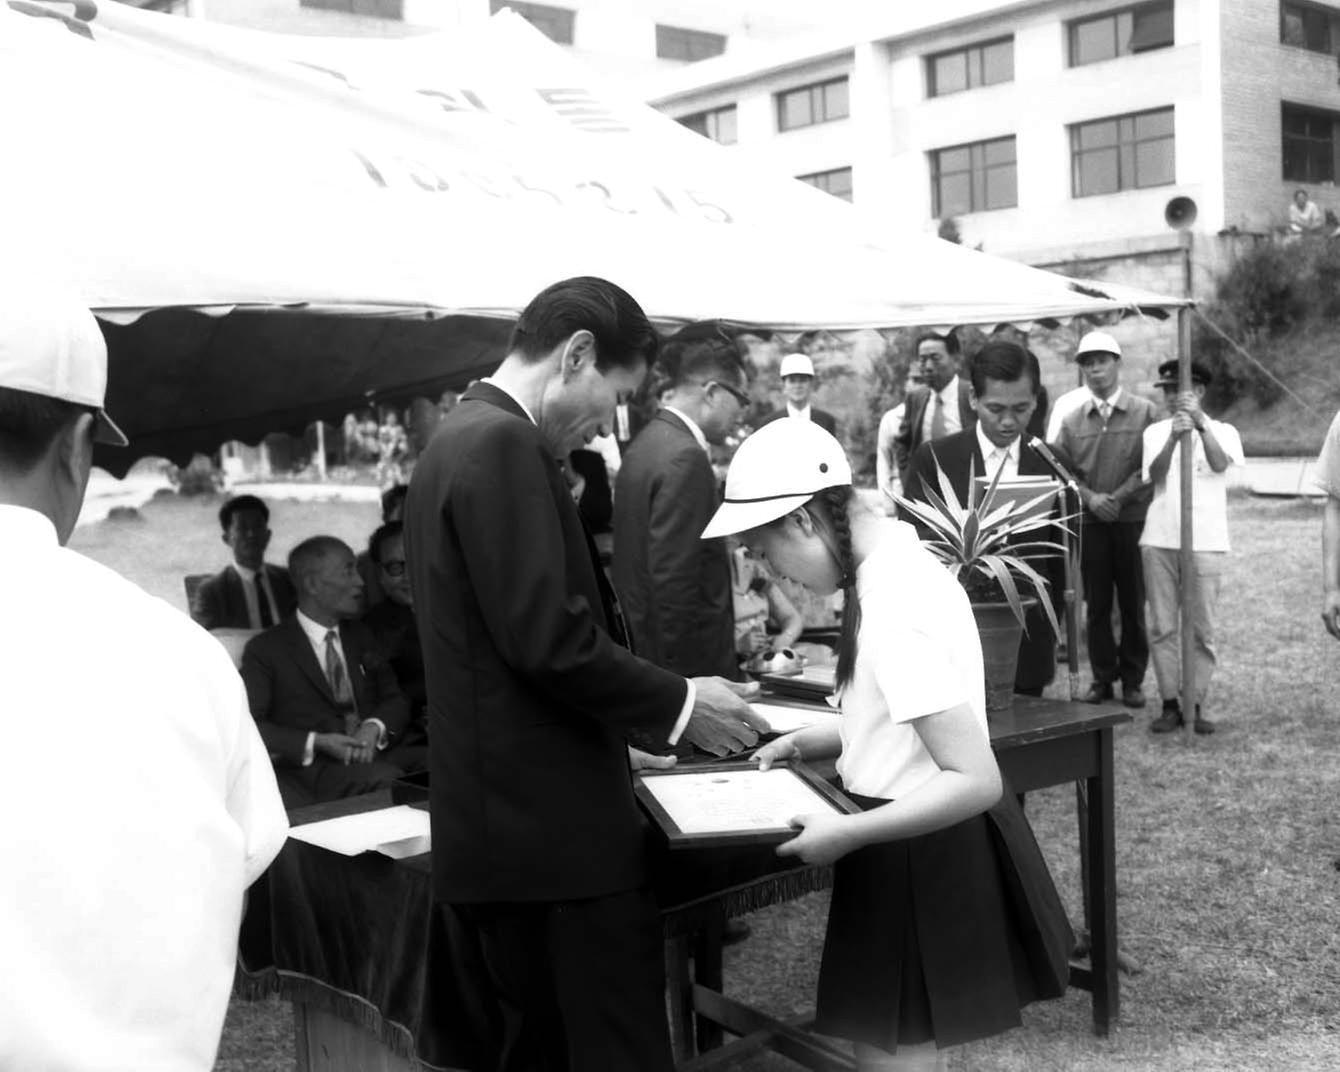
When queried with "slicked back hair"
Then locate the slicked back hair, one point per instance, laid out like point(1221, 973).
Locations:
point(308, 556)
point(1002, 361)
point(624, 336)
point(29, 424)
point(950, 340)
point(240, 503)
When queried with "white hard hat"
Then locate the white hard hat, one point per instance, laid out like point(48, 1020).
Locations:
point(781, 466)
point(1098, 342)
point(796, 365)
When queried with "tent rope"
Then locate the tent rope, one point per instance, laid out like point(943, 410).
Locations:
point(1236, 346)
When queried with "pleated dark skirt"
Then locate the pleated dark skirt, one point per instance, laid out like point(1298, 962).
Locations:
point(942, 937)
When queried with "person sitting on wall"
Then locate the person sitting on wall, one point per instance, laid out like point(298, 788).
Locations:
point(249, 593)
point(1305, 216)
point(324, 698)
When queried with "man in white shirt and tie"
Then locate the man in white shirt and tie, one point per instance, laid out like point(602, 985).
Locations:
point(249, 593)
point(323, 695)
point(1004, 395)
point(941, 407)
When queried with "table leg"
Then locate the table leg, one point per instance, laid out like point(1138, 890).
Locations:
point(679, 988)
point(707, 972)
point(1102, 889)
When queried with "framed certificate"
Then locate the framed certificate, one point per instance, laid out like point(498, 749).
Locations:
point(717, 804)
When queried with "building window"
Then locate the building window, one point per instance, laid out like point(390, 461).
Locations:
point(1125, 152)
point(1142, 28)
point(672, 43)
point(819, 103)
point(378, 9)
point(717, 124)
point(974, 177)
point(555, 23)
point(836, 182)
point(1309, 144)
point(968, 68)
point(1309, 26)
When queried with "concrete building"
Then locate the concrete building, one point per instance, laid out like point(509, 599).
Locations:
point(1065, 133)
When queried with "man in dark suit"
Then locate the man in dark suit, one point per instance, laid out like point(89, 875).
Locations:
point(324, 698)
point(249, 593)
point(941, 406)
point(676, 587)
point(1003, 395)
point(797, 372)
point(537, 840)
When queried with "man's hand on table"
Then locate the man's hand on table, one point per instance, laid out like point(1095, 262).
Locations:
point(640, 760)
point(722, 722)
point(337, 746)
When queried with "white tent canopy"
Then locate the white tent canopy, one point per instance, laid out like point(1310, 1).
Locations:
point(170, 165)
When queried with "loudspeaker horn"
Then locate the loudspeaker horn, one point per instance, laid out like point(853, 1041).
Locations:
point(1179, 213)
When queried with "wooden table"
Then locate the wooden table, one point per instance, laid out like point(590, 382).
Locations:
point(1040, 743)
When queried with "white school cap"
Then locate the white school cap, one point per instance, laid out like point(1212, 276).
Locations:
point(796, 365)
point(1098, 342)
point(781, 466)
point(51, 345)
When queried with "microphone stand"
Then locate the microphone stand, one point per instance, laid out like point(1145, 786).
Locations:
point(1069, 501)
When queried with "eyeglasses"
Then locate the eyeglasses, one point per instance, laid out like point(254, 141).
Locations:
point(394, 568)
point(734, 392)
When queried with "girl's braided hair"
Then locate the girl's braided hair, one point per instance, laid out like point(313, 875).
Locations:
point(833, 503)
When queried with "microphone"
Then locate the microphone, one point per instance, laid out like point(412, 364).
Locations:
point(1053, 462)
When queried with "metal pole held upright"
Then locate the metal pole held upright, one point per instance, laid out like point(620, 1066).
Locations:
point(1187, 555)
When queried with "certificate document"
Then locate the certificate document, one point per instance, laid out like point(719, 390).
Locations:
point(710, 804)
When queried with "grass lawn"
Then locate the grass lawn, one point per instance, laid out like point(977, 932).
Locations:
point(1229, 897)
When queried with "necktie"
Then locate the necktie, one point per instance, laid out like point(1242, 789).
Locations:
point(339, 682)
point(1104, 411)
point(263, 601)
point(938, 427)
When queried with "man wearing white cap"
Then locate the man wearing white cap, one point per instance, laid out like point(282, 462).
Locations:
point(797, 372)
point(121, 902)
point(1104, 438)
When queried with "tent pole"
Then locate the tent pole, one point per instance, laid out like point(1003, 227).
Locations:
point(1187, 555)
point(321, 449)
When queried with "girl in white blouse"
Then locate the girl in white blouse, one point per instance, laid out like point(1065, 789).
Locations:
point(938, 904)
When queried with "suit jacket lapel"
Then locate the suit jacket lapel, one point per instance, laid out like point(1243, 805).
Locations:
point(305, 657)
point(234, 595)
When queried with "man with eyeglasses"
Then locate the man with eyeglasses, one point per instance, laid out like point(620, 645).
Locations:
point(393, 629)
point(676, 588)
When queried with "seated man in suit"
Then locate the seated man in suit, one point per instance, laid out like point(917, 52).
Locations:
point(1003, 395)
point(393, 507)
point(941, 406)
point(249, 593)
point(391, 623)
point(797, 374)
point(325, 699)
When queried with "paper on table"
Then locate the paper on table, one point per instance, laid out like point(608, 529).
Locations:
point(389, 830)
point(749, 799)
point(785, 719)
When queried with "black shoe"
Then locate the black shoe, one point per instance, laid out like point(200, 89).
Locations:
point(1132, 696)
point(1098, 692)
point(1170, 720)
point(1203, 726)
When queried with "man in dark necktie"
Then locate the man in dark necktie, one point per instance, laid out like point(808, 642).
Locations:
point(249, 593)
point(940, 407)
point(324, 697)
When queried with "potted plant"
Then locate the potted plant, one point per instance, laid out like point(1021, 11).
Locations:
point(989, 546)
